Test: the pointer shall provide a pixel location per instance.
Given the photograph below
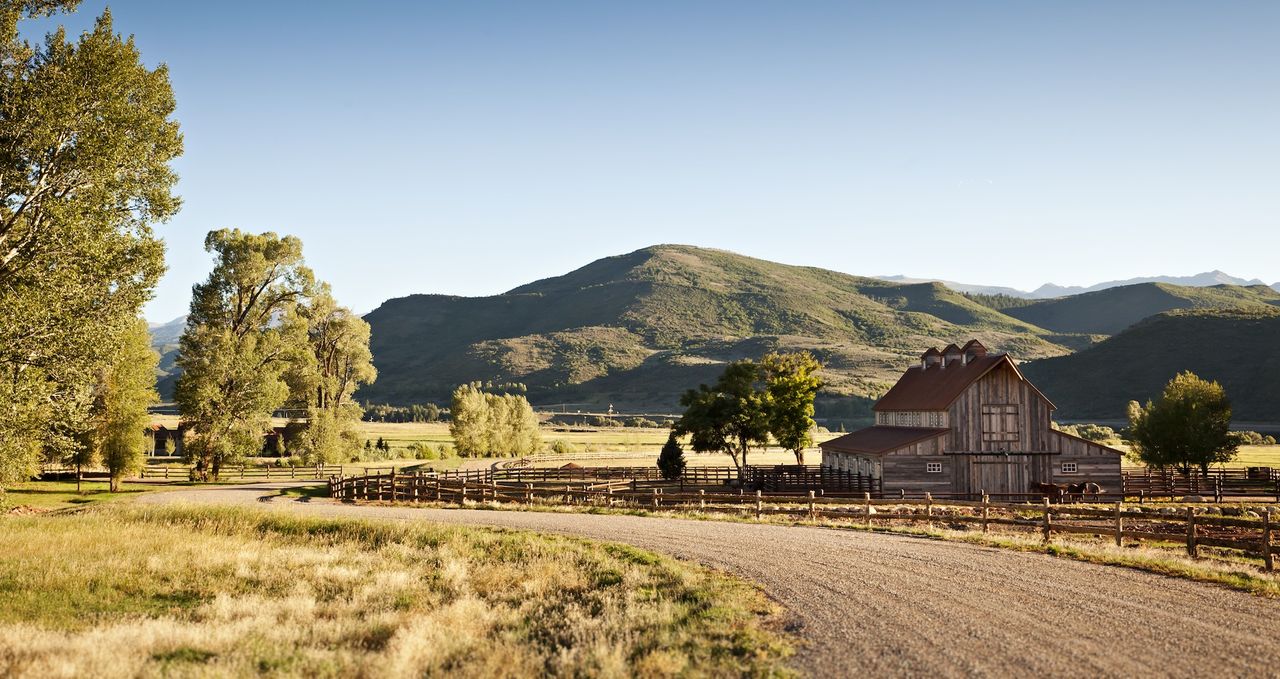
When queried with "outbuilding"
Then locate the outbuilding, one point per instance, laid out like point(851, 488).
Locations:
point(964, 422)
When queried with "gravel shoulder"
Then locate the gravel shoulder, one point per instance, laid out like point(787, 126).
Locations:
point(898, 605)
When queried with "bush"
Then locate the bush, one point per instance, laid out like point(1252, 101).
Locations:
point(1253, 438)
point(671, 459)
point(560, 447)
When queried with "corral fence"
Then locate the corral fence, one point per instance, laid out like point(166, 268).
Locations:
point(1249, 535)
point(1147, 482)
point(244, 472)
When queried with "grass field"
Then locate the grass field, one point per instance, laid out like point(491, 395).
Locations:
point(62, 494)
point(129, 591)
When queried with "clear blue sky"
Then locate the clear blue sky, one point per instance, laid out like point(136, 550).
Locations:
point(468, 147)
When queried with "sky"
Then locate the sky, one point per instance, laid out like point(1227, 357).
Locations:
point(469, 147)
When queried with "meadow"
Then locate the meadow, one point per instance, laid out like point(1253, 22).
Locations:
point(125, 591)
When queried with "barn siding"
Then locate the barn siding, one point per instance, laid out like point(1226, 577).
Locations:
point(1095, 463)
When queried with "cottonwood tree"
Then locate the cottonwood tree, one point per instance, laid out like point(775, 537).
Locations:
point(242, 335)
point(324, 382)
point(728, 417)
point(791, 382)
point(492, 424)
point(126, 391)
point(1189, 426)
point(86, 140)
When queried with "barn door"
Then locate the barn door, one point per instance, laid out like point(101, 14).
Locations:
point(1000, 474)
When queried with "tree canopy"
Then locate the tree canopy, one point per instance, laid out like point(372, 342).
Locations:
point(727, 417)
point(243, 334)
point(86, 141)
point(792, 383)
point(1188, 426)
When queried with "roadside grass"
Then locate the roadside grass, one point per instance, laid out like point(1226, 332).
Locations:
point(50, 495)
point(1221, 567)
point(124, 591)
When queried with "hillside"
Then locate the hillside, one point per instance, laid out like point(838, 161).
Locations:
point(1107, 312)
point(1236, 348)
point(635, 330)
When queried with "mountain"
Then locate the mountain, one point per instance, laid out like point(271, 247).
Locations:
point(1110, 311)
point(1049, 290)
point(164, 334)
point(164, 339)
point(1200, 280)
point(961, 287)
point(1236, 348)
point(638, 329)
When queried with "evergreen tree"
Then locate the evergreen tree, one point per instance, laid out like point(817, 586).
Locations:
point(671, 460)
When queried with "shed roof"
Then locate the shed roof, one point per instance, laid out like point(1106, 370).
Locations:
point(881, 439)
point(937, 387)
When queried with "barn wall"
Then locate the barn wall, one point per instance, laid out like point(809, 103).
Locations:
point(999, 387)
point(906, 469)
point(1094, 462)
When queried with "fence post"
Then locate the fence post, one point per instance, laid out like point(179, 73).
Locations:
point(866, 498)
point(655, 498)
point(1268, 561)
point(812, 513)
point(1217, 489)
point(462, 497)
point(1119, 527)
point(759, 505)
point(1192, 548)
point(1048, 521)
point(928, 505)
point(986, 501)
point(528, 493)
point(393, 484)
point(702, 499)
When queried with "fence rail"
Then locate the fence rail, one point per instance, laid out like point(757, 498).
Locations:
point(1252, 536)
point(1248, 482)
point(244, 472)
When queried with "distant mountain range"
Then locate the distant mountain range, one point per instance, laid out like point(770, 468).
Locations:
point(1236, 348)
point(1050, 290)
point(634, 331)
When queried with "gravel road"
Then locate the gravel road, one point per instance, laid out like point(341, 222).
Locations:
point(890, 605)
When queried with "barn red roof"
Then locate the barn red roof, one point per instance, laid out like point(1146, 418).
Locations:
point(881, 439)
point(936, 387)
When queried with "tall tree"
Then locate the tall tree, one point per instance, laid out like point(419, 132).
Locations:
point(791, 381)
point(242, 334)
point(1189, 426)
point(127, 390)
point(325, 381)
point(85, 145)
point(671, 459)
point(729, 416)
point(470, 422)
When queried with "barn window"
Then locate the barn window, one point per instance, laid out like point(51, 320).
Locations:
point(1000, 422)
point(1068, 467)
point(933, 467)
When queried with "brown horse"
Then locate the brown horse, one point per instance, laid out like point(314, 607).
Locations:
point(1053, 491)
point(1084, 488)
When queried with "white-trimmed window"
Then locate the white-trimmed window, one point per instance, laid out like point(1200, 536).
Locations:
point(1069, 467)
point(933, 467)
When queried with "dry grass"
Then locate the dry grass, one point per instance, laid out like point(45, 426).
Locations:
point(129, 591)
point(1218, 566)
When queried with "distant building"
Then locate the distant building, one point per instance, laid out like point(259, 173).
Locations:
point(964, 422)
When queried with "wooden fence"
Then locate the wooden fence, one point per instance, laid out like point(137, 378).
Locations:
point(1250, 482)
point(244, 472)
point(1196, 530)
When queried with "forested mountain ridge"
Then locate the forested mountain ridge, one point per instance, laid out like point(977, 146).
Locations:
point(1240, 349)
point(637, 329)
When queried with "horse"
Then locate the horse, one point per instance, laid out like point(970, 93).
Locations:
point(1050, 490)
point(1084, 488)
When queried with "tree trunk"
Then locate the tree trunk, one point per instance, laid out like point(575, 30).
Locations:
point(799, 456)
point(115, 483)
point(78, 473)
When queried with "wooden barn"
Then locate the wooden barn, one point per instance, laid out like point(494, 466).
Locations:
point(964, 422)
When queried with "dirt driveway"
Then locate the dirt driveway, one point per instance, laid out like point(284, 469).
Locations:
point(893, 605)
